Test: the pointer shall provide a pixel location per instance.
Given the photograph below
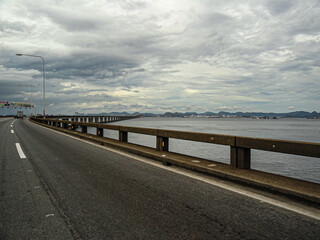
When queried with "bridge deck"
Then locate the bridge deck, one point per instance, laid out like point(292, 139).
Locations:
point(68, 189)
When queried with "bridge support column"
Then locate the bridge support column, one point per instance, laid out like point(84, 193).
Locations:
point(84, 129)
point(240, 157)
point(100, 132)
point(123, 136)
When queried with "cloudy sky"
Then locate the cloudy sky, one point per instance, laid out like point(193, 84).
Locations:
point(162, 55)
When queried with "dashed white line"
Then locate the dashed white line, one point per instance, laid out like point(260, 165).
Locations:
point(19, 149)
point(12, 131)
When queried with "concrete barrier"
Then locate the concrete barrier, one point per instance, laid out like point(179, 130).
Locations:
point(240, 147)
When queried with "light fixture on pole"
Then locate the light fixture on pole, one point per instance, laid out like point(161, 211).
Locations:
point(44, 108)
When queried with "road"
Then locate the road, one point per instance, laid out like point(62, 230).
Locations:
point(58, 187)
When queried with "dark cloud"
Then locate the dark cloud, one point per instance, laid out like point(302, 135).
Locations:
point(279, 6)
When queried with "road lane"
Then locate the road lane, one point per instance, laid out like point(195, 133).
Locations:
point(23, 207)
point(103, 195)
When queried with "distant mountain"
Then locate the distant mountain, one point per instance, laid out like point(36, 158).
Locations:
point(209, 114)
point(296, 114)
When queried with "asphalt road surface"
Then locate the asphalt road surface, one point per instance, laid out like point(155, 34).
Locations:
point(56, 187)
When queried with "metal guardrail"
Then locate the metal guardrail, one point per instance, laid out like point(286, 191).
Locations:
point(240, 147)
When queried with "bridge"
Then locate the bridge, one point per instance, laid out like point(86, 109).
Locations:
point(58, 181)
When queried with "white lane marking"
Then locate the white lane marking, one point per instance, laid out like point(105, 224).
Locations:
point(50, 215)
point(19, 149)
point(284, 203)
point(11, 126)
point(12, 131)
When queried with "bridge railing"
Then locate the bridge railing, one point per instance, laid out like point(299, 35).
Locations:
point(240, 147)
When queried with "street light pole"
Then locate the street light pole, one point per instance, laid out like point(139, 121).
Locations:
point(20, 55)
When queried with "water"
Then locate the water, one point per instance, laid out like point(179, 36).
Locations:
point(305, 168)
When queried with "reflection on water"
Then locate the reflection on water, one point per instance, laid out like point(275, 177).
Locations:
point(286, 129)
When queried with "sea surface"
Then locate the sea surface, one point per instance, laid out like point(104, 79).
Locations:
point(307, 130)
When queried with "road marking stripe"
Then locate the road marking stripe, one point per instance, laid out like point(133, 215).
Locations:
point(19, 149)
point(12, 131)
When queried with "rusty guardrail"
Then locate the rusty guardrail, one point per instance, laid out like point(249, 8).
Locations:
point(240, 147)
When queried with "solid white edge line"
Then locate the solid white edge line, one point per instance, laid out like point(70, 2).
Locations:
point(19, 149)
point(292, 206)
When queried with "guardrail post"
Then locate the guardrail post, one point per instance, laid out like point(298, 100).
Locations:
point(100, 132)
point(84, 129)
point(162, 144)
point(240, 157)
point(123, 136)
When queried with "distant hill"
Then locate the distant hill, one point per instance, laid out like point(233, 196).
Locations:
point(296, 114)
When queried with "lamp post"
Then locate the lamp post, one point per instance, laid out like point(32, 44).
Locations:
point(44, 108)
point(28, 85)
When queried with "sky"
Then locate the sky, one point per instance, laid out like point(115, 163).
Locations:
point(162, 55)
